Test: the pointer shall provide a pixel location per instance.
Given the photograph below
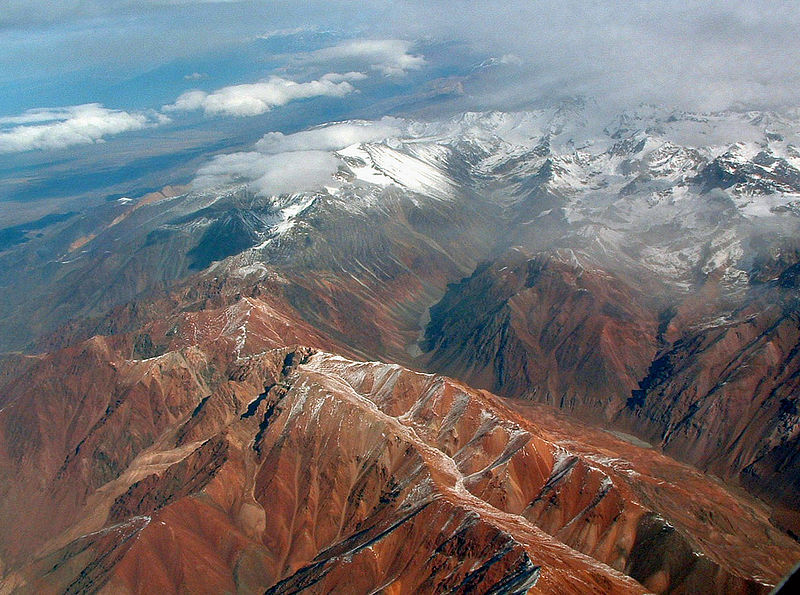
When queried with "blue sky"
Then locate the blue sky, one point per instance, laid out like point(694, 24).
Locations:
point(197, 74)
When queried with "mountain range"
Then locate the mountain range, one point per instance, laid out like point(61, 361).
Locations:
point(544, 351)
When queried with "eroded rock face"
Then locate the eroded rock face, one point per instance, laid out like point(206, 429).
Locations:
point(296, 469)
point(723, 394)
point(710, 378)
point(548, 328)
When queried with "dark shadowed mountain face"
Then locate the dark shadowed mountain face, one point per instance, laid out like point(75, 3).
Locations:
point(609, 312)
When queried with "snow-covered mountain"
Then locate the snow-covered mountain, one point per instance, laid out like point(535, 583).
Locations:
point(678, 194)
point(659, 194)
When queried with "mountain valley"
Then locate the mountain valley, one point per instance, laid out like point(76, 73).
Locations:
point(503, 352)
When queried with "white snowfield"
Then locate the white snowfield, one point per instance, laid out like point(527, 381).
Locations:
point(668, 188)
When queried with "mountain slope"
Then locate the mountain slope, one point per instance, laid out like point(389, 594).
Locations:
point(709, 381)
point(164, 431)
point(305, 466)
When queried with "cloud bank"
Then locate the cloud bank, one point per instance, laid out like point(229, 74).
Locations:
point(258, 98)
point(270, 174)
point(331, 137)
point(302, 161)
point(57, 128)
point(692, 54)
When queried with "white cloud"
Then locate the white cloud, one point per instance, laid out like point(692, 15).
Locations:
point(189, 101)
point(693, 54)
point(195, 76)
point(56, 128)
point(331, 137)
point(389, 56)
point(298, 162)
point(257, 98)
point(295, 171)
point(35, 116)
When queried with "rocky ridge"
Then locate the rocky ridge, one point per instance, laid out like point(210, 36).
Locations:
point(640, 275)
point(304, 465)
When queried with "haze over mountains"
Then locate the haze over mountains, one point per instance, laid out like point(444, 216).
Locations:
point(398, 298)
